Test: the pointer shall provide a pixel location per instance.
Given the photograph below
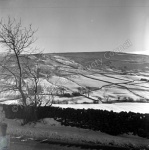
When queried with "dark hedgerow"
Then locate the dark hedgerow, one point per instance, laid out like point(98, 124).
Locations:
point(98, 120)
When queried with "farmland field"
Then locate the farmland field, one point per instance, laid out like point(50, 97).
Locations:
point(116, 107)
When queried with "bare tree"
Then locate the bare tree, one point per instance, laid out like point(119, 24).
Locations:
point(16, 40)
point(88, 90)
point(36, 91)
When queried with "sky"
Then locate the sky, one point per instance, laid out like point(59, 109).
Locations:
point(83, 25)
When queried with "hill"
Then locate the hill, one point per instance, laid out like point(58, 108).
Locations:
point(117, 60)
point(91, 77)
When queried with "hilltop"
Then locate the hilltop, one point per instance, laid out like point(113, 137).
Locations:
point(109, 58)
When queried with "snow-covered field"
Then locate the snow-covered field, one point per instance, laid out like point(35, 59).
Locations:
point(116, 107)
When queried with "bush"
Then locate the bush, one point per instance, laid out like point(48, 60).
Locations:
point(142, 133)
point(66, 95)
point(76, 94)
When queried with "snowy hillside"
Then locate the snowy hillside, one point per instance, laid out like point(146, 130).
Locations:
point(70, 83)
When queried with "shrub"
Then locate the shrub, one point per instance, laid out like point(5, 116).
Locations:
point(66, 95)
point(76, 94)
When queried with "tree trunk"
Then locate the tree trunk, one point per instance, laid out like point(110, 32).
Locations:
point(35, 114)
point(28, 114)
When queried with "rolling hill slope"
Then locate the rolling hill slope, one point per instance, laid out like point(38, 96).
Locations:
point(122, 77)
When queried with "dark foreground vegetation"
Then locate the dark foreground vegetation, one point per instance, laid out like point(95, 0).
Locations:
point(109, 122)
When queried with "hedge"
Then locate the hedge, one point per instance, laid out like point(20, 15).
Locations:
point(98, 120)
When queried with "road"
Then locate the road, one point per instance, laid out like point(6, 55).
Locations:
point(33, 145)
point(39, 146)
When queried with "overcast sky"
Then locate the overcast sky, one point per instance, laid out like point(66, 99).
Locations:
point(84, 25)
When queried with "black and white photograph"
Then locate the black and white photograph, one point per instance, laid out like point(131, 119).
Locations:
point(74, 74)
